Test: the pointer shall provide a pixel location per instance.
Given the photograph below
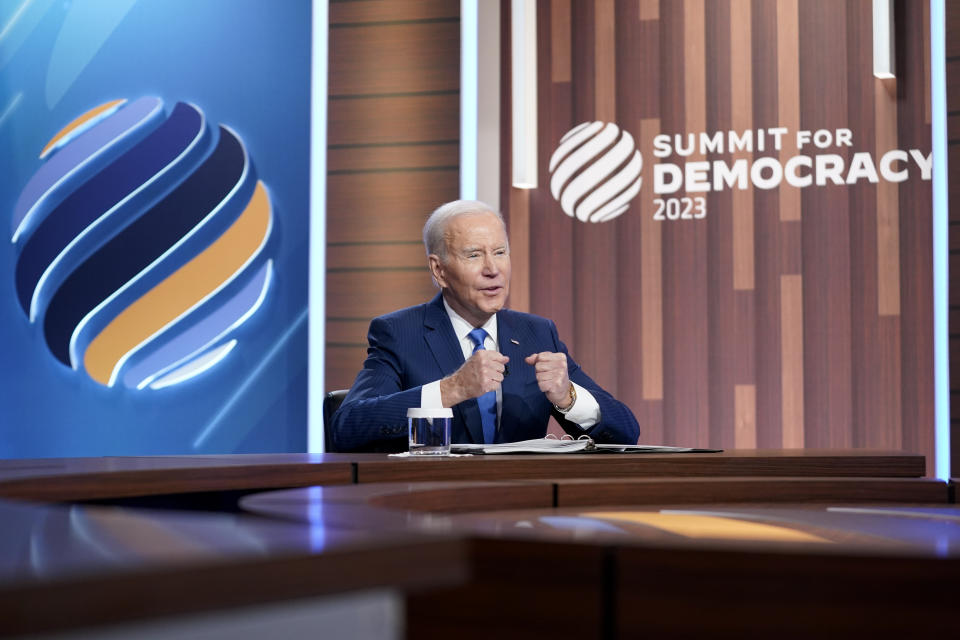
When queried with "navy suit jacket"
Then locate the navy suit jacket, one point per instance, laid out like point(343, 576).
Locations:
point(417, 345)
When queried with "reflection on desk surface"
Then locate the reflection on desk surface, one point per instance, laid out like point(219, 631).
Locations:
point(920, 530)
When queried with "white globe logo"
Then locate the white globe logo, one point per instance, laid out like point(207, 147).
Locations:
point(595, 172)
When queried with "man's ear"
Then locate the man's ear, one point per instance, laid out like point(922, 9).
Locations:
point(436, 270)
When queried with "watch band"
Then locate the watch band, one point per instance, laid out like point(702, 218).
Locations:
point(573, 400)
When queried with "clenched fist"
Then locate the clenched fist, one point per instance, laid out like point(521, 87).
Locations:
point(482, 372)
point(552, 376)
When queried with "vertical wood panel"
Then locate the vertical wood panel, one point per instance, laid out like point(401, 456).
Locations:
point(788, 95)
point(519, 229)
point(888, 205)
point(551, 243)
point(741, 63)
point(826, 233)
point(791, 357)
point(875, 343)
point(649, 10)
point(770, 240)
point(560, 41)
point(916, 312)
point(651, 285)
point(385, 174)
point(594, 257)
point(773, 322)
point(725, 353)
point(604, 62)
point(746, 416)
point(640, 277)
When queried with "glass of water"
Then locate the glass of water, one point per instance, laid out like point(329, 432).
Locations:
point(429, 431)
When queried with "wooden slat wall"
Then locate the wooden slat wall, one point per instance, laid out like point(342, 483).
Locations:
point(393, 156)
point(953, 136)
point(788, 317)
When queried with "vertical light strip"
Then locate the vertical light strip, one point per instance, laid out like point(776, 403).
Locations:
point(941, 364)
point(469, 80)
point(318, 227)
point(488, 105)
point(883, 40)
point(524, 83)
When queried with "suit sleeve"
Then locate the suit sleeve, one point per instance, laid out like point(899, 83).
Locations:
point(617, 423)
point(373, 416)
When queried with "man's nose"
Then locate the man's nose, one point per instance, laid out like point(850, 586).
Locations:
point(490, 266)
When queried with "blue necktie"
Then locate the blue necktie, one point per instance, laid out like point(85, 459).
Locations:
point(488, 401)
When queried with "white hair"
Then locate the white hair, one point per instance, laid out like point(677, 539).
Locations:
point(436, 225)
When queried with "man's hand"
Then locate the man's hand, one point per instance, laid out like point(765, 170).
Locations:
point(481, 373)
point(552, 376)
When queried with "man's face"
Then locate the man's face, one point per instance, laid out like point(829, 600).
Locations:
point(475, 277)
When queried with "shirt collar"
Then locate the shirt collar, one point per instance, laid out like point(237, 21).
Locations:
point(461, 327)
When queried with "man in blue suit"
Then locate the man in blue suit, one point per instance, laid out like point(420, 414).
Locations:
point(503, 372)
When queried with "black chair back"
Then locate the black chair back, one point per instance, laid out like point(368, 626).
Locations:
point(331, 402)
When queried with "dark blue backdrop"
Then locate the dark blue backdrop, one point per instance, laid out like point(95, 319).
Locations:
point(246, 64)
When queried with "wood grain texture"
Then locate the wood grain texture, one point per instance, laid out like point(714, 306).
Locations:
point(741, 112)
point(367, 11)
point(744, 593)
point(393, 58)
point(788, 93)
point(651, 285)
point(383, 207)
point(793, 292)
point(373, 293)
point(649, 10)
point(162, 479)
point(875, 340)
point(560, 62)
point(393, 157)
point(519, 230)
point(581, 493)
point(916, 271)
point(604, 61)
point(640, 237)
point(952, 28)
point(773, 239)
point(347, 331)
point(888, 205)
point(393, 119)
point(765, 463)
point(376, 255)
point(385, 156)
point(826, 233)
point(745, 415)
point(791, 358)
point(342, 365)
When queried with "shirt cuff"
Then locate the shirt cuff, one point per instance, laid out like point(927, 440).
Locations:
point(430, 397)
point(585, 411)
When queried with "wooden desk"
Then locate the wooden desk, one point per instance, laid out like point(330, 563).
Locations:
point(514, 545)
point(66, 479)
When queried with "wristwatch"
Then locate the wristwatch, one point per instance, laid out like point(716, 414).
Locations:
point(573, 400)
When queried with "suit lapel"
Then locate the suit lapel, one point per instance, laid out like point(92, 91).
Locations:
point(440, 337)
point(512, 387)
point(446, 350)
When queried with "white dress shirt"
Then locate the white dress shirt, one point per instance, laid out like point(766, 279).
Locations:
point(584, 412)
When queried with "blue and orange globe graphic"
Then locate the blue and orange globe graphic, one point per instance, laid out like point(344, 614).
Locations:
point(140, 243)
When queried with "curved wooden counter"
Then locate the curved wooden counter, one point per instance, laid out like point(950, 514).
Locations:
point(504, 554)
point(66, 479)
